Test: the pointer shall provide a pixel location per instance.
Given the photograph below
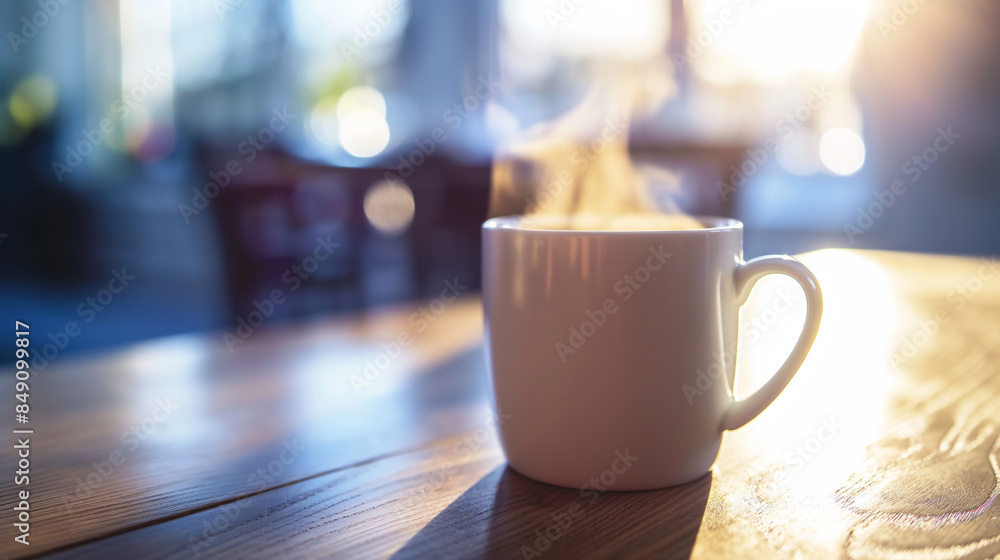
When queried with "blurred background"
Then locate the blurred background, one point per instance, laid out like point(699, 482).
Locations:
point(166, 165)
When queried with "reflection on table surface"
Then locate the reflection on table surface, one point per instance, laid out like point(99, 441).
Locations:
point(325, 439)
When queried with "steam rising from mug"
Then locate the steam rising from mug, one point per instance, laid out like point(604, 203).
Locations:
point(577, 167)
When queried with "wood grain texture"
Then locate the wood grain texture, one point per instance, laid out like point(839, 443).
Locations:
point(227, 416)
point(884, 446)
point(456, 499)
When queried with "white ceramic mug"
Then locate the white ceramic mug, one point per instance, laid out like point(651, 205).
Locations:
point(592, 337)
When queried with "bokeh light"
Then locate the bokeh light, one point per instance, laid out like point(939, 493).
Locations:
point(323, 122)
point(799, 153)
point(389, 207)
point(363, 130)
point(842, 151)
point(358, 98)
point(32, 101)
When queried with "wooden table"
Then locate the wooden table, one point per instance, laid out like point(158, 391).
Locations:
point(884, 446)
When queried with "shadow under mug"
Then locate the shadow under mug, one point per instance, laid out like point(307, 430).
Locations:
point(592, 337)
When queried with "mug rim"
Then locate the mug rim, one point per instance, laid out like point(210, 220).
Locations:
point(713, 224)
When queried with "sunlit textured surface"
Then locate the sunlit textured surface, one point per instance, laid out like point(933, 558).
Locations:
point(868, 451)
point(850, 283)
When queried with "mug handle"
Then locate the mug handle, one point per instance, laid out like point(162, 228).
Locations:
point(746, 276)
